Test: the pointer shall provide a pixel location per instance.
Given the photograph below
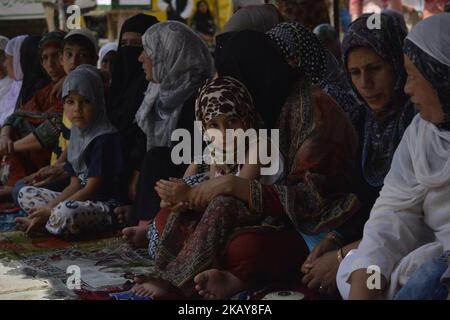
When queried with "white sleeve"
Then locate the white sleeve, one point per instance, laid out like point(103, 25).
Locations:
point(188, 10)
point(395, 226)
point(388, 237)
point(162, 5)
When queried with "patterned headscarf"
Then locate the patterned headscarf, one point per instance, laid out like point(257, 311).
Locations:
point(226, 96)
point(428, 47)
point(304, 48)
point(301, 46)
point(181, 64)
point(382, 131)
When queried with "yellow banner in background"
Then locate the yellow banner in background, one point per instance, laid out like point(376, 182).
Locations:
point(222, 10)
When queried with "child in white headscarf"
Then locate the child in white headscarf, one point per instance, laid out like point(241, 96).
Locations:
point(94, 162)
point(106, 57)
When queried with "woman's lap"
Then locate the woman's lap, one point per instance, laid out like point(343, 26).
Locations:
point(265, 254)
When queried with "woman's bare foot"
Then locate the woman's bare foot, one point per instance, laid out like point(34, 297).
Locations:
point(147, 286)
point(137, 236)
point(217, 284)
point(122, 213)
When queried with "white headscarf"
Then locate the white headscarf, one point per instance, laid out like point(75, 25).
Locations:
point(86, 80)
point(5, 83)
point(422, 159)
point(181, 64)
point(13, 49)
point(432, 36)
point(111, 46)
point(8, 103)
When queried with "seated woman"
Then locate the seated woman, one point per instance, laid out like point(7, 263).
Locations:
point(128, 86)
point(409, 224)
point(373, 59)
point(94, 161)
point(27, 134)
point(176, 63)
point(313, 197)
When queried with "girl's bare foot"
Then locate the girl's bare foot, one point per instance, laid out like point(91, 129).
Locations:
point(217, 284)
point(147, 286)
point(23, 223)
point(136, 236)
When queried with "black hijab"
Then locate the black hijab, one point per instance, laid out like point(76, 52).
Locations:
point(34, 76)
point(252, 58)
point(128, 78)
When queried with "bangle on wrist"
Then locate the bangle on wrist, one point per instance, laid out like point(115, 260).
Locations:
point(333, 237)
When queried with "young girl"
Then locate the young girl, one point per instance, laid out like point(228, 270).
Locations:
point(223, 103)
point(93, 161)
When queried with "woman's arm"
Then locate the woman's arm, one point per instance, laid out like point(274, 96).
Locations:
point(360, 290)
point(28, 143)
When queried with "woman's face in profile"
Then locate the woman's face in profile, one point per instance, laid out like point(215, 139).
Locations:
point(422, 94)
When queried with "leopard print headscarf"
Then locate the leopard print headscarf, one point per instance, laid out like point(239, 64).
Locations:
point(226, 95)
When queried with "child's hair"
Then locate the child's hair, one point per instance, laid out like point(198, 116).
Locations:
point(54, 38)
point(81, 41)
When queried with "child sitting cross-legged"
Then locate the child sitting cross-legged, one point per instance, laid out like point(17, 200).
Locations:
point(94, 162)
point(223, 103)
